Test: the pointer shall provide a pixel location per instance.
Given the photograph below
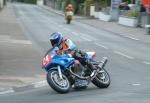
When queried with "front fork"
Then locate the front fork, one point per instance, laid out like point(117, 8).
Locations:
point(59, 72)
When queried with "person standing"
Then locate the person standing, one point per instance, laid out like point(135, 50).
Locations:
point(142, 11)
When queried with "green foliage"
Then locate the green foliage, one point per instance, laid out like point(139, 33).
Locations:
point(80, 1)
point(131, 13)
point(88, 2)
point(75, 4)
point(128, 1)
point(28, 1)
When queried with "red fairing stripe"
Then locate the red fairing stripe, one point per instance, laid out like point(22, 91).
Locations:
point(46, 59)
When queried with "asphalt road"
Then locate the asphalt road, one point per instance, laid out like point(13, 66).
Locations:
point(128, 66)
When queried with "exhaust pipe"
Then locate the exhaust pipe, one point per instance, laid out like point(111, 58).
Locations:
point(87, 77)
point(103, 62)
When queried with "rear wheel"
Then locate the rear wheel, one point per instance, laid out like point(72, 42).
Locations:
point(102, 79)
point(69, 18)
point(68, 21)
point(58, 84)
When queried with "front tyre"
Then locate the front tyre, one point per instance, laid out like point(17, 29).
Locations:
point(59, 85)
point(102, 79)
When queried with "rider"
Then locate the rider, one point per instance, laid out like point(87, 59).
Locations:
point(68, 8)
point(64, 44)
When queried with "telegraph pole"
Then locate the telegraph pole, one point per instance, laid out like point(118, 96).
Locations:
point(114, 12)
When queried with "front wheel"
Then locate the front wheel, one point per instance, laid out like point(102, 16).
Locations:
point(102, 79)
point(58, 84)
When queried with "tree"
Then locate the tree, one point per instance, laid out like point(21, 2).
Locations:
point(128, 1)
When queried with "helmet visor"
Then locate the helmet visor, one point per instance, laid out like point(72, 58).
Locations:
point(53, 42)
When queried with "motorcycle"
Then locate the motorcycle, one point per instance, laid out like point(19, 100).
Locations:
point(68, 16)
point(62, 75)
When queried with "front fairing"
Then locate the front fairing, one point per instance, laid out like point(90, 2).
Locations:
point(64, 60)
point(90, 55)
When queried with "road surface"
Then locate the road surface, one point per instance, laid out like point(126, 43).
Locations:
point(128, 66)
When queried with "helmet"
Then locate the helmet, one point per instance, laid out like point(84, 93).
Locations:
point(69, 5)
point(56, 38)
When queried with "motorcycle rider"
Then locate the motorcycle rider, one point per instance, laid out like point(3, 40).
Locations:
point(69, 7)
point(68, 11)
point(64, 44)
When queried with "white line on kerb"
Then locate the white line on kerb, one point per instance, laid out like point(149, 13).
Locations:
point(122, 54)
point(101, 45)
point(7, 91)
point(133, 38)
point(130, 37)
point(147, 63)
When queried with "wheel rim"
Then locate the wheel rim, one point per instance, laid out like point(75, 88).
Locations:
point(103, 76)
point(61, 83)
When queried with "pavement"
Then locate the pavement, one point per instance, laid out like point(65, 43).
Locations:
point(138, 34)
point(20, 61)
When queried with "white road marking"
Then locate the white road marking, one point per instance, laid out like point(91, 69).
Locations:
point(40, 84)
point(16, 41)
point(88, 36)
point(55, 23)
point(136, 84)
point(75, 33)
point(4, 37)
point(101, 45)
point(7, 91)
point(60, 25)
point(83, 36)
point(122, 54)
point(146, 63)
point(87, 39)
point(66, 29)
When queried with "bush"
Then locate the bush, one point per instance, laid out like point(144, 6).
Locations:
point(131, 13)
point(30, 1)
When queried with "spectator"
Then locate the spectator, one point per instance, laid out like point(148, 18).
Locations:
point(124, 6)
point(142, 9)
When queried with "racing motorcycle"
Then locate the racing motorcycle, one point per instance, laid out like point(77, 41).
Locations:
point(68, 16)
point(61, 71)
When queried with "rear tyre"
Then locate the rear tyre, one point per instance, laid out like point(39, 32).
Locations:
point(59, 85)
point(102, 80)
point(69, 18)
point(68, 21)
